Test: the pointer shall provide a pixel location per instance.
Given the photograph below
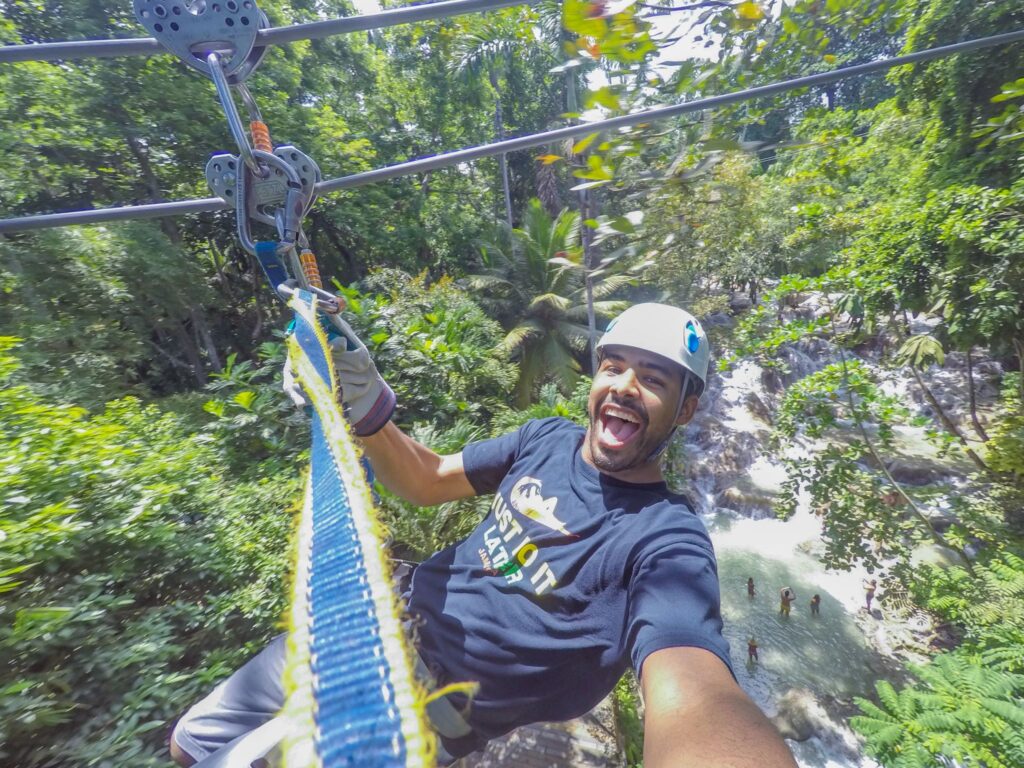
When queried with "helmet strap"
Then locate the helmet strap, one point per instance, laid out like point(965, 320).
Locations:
point(684, 392)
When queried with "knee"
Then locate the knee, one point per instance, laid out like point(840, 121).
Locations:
point(179, 755)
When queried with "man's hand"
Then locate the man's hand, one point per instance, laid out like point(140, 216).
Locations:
point(695, 714)
point(369, 402)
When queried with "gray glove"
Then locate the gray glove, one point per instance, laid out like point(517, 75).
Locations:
point(368, 401)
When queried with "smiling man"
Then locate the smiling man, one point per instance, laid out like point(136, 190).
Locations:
point(586, 565)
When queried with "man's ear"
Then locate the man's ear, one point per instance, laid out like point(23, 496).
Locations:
point(689, 408)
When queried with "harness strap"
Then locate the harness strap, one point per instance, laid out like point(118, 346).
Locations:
point(273, 269)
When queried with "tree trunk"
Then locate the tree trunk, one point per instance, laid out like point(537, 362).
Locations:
point(947, 422)
point(1019, 346)
point(585, 236)
point(191, 352)
point(499, 132)
point(970, 394)
point(203, 330)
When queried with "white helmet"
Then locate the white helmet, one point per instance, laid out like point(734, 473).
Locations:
point(667, 331)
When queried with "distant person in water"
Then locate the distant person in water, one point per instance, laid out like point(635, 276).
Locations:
point(786, 598)
point(869, 592)
point(750, 586)
point(815, 605)
point(752, 650)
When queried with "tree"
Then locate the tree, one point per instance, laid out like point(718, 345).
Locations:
point(487, 45)
point(538, 291)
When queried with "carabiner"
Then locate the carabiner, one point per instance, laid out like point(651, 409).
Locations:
point(227, 103)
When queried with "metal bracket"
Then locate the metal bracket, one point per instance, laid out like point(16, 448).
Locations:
point(193, 29)
point(264, 196)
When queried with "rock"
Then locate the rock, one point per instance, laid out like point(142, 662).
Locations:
point(740, 302)
point(799, 716)
point(757, 407)
point(718, 320)
point(908, 471)
point(772, 381)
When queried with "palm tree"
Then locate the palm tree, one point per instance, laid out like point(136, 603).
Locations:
point(537, 289)
point(487, 45)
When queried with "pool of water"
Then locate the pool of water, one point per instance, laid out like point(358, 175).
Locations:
point(827, 654)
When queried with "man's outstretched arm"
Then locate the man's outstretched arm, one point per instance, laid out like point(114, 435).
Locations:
point(411, 470)
point(695, 714)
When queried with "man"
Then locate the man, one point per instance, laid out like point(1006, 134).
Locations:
point(870, 587)
point(786, 598)
point(815, 605)
point(585, 564)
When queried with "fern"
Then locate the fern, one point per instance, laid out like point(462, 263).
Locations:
point(961, 711)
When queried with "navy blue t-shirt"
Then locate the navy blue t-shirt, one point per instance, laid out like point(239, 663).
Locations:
point(570, 577)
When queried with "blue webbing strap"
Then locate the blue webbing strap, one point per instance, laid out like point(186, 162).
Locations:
point(273, 269)
point(357, 717)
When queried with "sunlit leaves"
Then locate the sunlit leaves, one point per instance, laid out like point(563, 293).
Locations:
point(920, 351)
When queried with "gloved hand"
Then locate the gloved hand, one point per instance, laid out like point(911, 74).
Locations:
point(368, 401)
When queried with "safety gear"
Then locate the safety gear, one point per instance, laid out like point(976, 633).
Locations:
point(670, 332)
point(369, 402)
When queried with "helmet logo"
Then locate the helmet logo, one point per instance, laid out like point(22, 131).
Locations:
point(692, 338)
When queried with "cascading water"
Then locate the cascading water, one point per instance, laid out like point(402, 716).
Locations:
point(809, 667)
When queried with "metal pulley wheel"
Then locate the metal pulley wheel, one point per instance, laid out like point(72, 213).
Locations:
point(193, 30)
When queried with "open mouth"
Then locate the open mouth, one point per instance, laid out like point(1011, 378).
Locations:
point(618, 425)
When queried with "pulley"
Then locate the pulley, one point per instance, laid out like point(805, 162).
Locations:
point(264, 196)
point(194, 29)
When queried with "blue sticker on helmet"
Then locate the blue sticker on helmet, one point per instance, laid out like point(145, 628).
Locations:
point(692, 339)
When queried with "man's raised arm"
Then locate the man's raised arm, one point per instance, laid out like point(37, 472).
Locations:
point(405, 467)
point(413, 471)
point(697, 716)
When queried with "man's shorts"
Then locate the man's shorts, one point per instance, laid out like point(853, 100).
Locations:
point(237, 722)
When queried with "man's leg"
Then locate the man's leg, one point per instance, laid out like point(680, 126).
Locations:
point(248, 699)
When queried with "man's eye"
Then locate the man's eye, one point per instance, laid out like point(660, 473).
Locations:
point(654, 382)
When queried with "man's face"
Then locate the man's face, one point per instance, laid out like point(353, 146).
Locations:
point(632, 409)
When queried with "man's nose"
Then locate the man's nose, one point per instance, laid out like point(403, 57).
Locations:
point(626, 384)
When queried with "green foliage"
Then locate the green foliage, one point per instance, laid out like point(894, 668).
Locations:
point(987, 605)
point(135, 574)
point(434, 345)
point(962, 711)
point(538, 285)
point(628, 720)
point(254, 423)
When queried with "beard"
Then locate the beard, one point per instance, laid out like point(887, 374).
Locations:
point(636, 452)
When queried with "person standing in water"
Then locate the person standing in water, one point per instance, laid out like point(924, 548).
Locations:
point(815, 605)
point(752, 650)
point(786, 598)
point(750, 587)
point(869, 592)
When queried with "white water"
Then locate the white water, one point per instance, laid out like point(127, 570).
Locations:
point(830, 658)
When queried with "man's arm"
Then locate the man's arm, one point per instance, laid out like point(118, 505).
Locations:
point(411, 470)
point(695, 714)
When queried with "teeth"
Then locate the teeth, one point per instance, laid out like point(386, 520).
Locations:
point(620, 414)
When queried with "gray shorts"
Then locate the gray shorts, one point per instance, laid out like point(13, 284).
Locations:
point(238, 724)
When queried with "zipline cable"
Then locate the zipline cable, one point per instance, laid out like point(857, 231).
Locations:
point(510, 145)
point(148, 46)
